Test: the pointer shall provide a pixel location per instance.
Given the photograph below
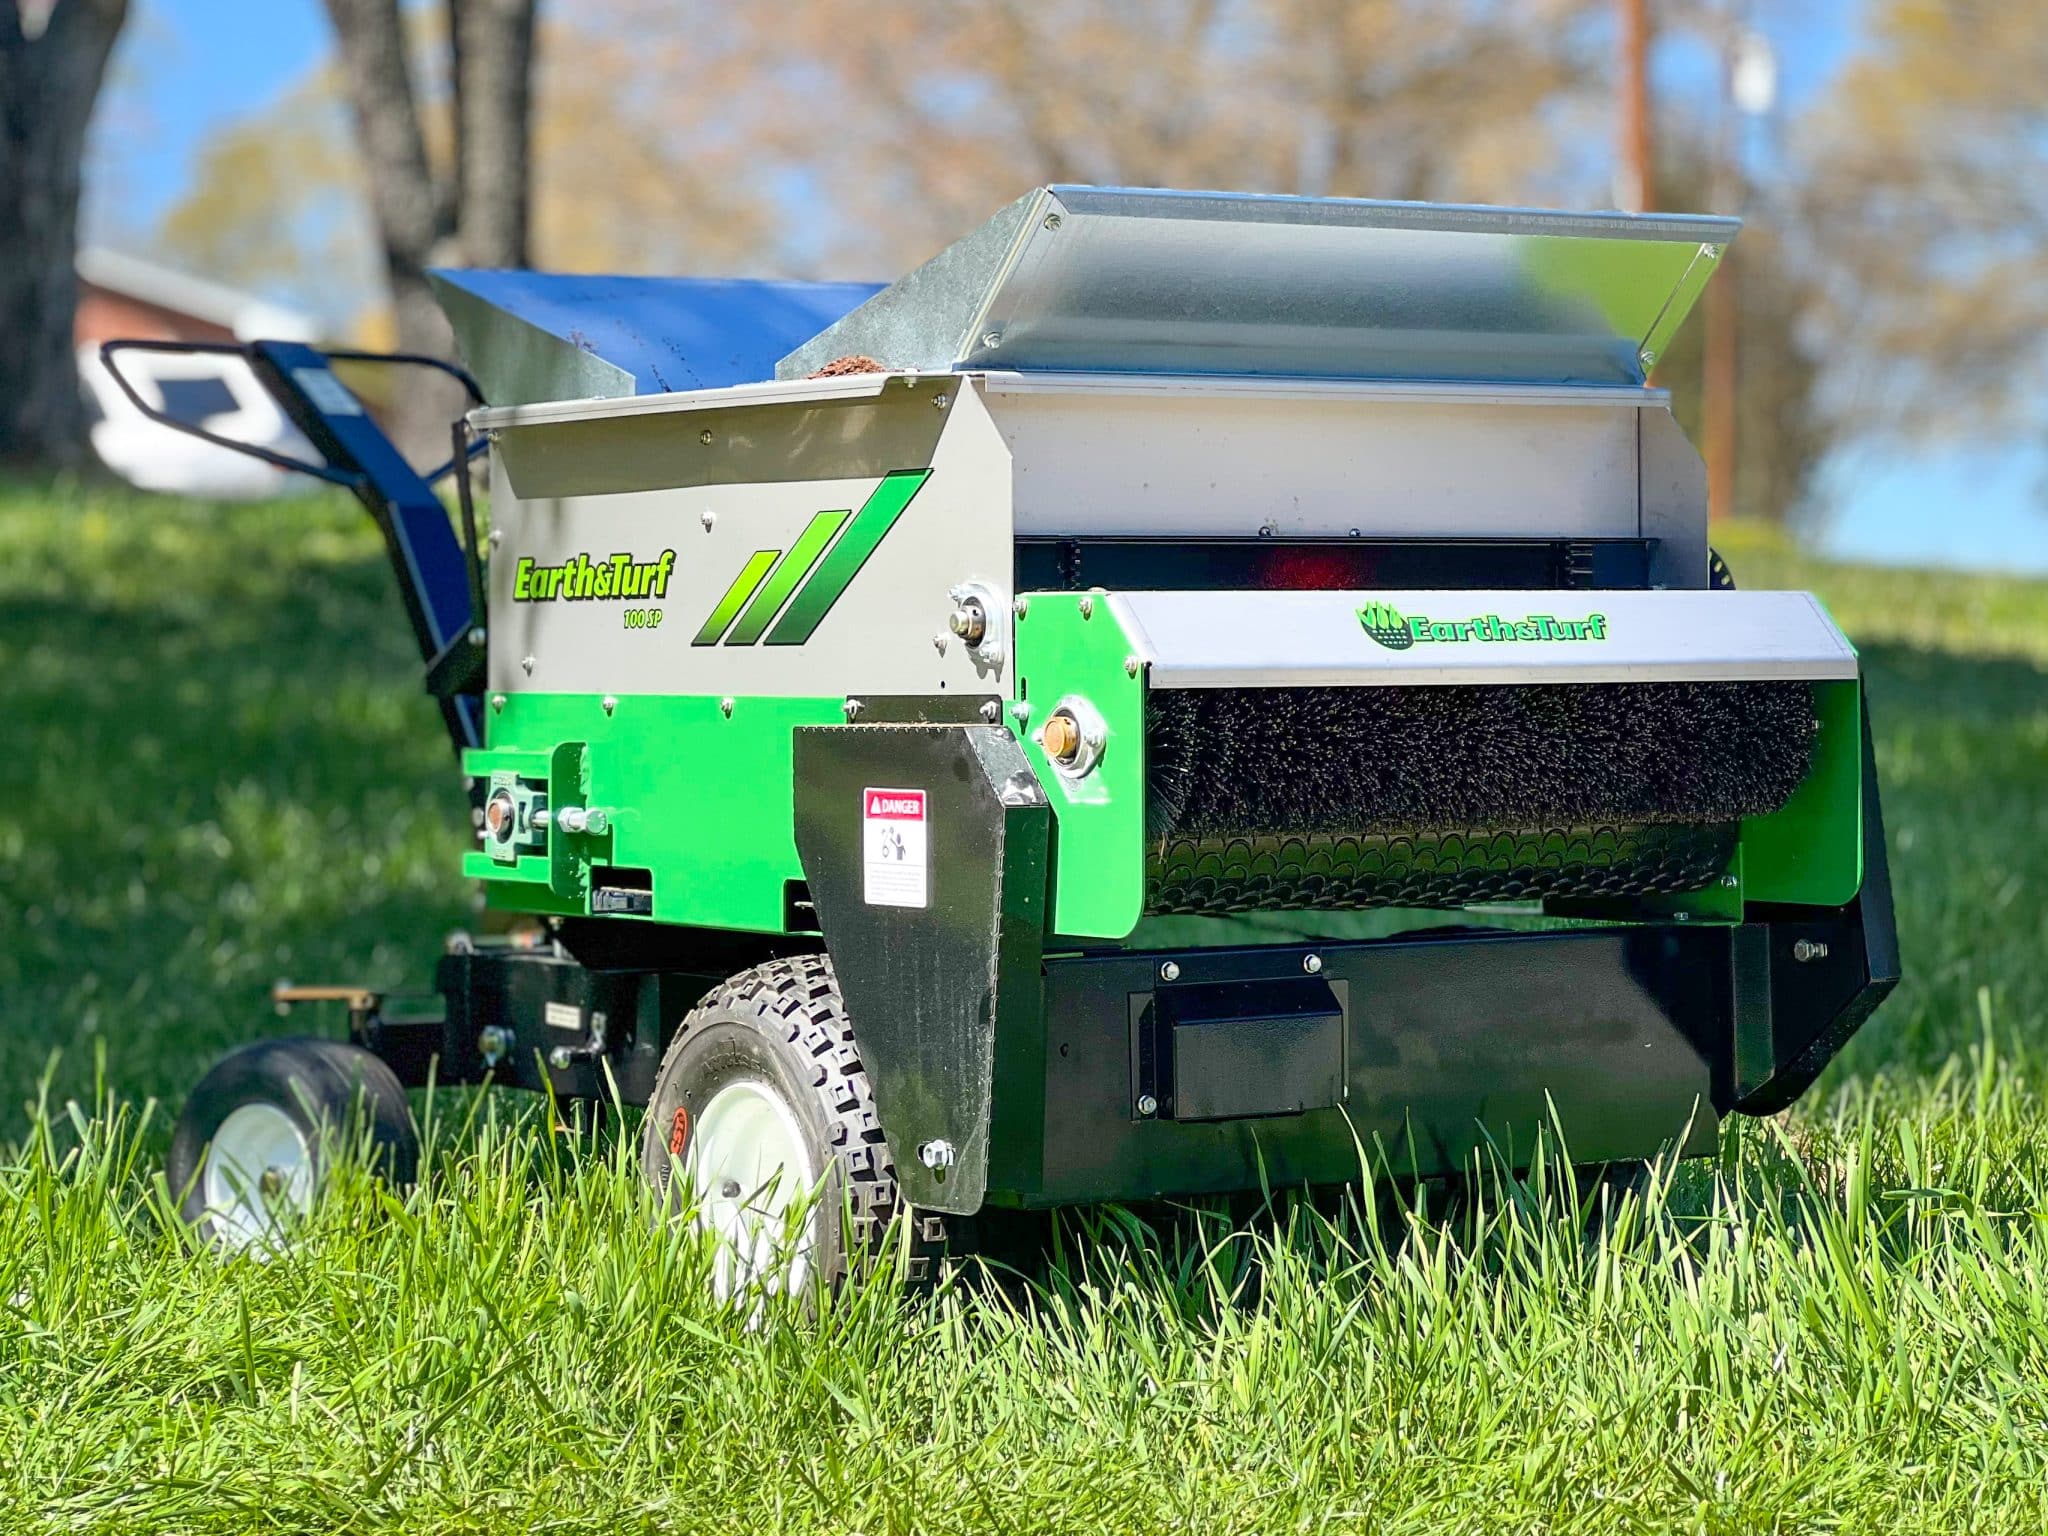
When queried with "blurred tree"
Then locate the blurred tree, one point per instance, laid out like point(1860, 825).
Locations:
point(471, 210)
point(1926, 171)
point(823, 135)
point(53, 56)
point(897, 124)
point(624, 180)
point(276, 201)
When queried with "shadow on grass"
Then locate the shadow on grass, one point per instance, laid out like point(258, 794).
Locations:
point(237, 780)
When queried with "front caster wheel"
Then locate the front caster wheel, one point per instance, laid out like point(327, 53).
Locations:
point(762, 1127)
point(255, 1142)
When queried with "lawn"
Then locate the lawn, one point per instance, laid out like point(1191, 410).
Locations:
point(222, 771)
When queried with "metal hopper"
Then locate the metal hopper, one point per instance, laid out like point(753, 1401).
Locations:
point(1134, 280)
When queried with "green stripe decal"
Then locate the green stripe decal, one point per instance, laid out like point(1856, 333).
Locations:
point(803, 554)
point(741, 589)
point(876, 517)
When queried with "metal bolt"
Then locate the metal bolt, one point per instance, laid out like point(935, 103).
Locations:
point(704, 437)
point(572, 818)
point(1021, 711)
point(939, 642)
point(1711, 252)
point(476, 636)
point(1267, 530)
point(729, 1189)
point(991, 338)
point(1147, 1105)
point(1021, 607)
point(707, 517)
point(1087, 607)
point(1648, 357)
point(851, 708)
point(494, 1042)
point(942, 400)
point(1061, 738)
point(1313, 964)
point(526, 662)
point(969, 621)
point(1804, 950)
point(1131, 665)
point(497, 537)
point(272, 1183)
point(725, 708)
point(1052, 221)
point(608, 703)
point(497, 702)
point(559, 1058)
point(1683, 917)
point(1729, 882)
point(991, 711)
point(937, 1154)
point(1170, 971)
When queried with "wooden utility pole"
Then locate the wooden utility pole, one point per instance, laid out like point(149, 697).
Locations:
point(1718, 365)
point(1636, 187)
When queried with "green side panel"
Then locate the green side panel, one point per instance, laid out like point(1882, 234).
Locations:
point(1099, 840)
point(699, 798)
point(877, 516)
point(532, 869)
point(482, 762)
point(736, 595)
point(1810, 851)
point(803, 554)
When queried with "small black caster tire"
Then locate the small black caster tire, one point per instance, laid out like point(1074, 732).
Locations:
point(256, 1140)
point(760, 1100)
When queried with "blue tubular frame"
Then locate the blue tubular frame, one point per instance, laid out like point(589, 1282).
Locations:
point(436, 574)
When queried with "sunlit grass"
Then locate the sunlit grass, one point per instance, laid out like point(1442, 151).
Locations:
point(1841, 1324)
point(225, 772)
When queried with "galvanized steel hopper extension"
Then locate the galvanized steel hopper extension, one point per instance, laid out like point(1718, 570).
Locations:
point(1180, 687)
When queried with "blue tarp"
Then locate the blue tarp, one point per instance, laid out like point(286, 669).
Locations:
point(670, 333)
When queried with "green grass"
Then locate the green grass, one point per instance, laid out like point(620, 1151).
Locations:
point(1840, 1324)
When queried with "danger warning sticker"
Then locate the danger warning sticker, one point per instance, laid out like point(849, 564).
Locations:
point(895, 853)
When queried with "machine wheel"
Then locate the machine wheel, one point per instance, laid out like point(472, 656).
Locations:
point(761, 1100)
point(253, 1146)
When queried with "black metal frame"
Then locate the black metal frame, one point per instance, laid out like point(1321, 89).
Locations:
point(109, 350)
point(1638, 1036)
point(1137, 564)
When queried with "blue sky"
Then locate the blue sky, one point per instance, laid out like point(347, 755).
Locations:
point(189, 67)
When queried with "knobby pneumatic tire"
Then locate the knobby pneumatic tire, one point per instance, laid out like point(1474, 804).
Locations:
point(761, 1099)
point(256, 1140)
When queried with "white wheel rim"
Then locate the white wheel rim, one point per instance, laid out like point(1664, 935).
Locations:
point(257, 1175)
point(750, 1172)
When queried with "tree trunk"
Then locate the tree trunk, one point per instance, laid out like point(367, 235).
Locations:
point(477, 215)
point(414, 214)
point(493, 41)
point(48, 84)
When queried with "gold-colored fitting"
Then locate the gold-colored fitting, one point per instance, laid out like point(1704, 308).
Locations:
point(1061, 737)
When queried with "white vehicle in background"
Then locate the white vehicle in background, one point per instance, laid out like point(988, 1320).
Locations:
point(125, 296)
point(216, 393)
